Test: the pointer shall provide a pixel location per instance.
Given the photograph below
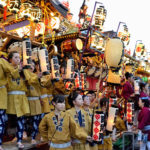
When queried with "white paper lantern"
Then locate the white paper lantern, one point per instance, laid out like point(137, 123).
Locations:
point(27, 52)
point(70, 68)
point(43, 60)
point(114, 52)
point(55, 68)
point(14, 5)
point(111, 118)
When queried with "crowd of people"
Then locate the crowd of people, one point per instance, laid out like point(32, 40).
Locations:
point(65, 122)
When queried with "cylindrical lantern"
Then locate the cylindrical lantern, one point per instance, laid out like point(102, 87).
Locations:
point(130, 112)
point(55, 22)
point(78, 83)
point(27, 52)
point(35, 53)
point(98, 126)
point(55, 68)
point(111, 118)
point(136, 87)
point(114, 52)
point(40, 29)
point(14, 5)
point(83, 80)
point(70, 68)
point(3, 3)
point(43, 60)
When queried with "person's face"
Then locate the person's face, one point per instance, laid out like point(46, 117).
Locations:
point(86, 101)
point(60, 106)
point(90, 96)
point(78, 101)
point(37, 67)
point(62, 69)
point(93, 96)
point(15, 59)
point(140, 103)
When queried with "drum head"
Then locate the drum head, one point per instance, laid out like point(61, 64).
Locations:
point(79, 44)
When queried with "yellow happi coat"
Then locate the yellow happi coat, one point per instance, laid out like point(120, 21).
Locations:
point(17, 103)
point(33, 92)
point(120, 124)
point(86, 125)
point(45, 81)
point(90, 113)
point(6, 70)
point(60, 132)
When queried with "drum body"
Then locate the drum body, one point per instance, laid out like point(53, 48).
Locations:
point(71, 45)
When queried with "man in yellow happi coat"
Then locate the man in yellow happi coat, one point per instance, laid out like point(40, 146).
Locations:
point(33, 95)
point(59, 127)
point(81, 117)
point(5, 70)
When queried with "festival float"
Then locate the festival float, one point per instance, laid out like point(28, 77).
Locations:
point(78, 56)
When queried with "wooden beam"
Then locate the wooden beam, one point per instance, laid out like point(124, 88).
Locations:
point(15, 37)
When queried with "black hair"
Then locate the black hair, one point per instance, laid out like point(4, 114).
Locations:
point(145, 100)
point(72, 98)
point(142, 85)
point(58, 99)
point(103, 102)
point(11, 54)
point(128, 75)
point(84, 97)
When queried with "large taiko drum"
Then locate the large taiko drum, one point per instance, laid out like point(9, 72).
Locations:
point(114, 52)
point(71, 45)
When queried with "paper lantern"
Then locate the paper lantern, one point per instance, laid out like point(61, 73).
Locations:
point(27, 52)
point(78, 83)
point(43, 60)
point(100, 17)
point(55, 68)
point(83, 80)
point(111, 118)
point(136, 87)
point(36, 14)
point(114, 52)
point(130, 112)
point(97, 127)
point(14, 5)
point(55, 22)
point(40, 29)
point(112, 101)
point(3, 3)
point(70, 68)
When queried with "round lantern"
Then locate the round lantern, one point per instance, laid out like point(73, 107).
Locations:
point(114, 52)
point(36, 14)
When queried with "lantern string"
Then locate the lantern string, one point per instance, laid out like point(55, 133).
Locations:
point(43, 43)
